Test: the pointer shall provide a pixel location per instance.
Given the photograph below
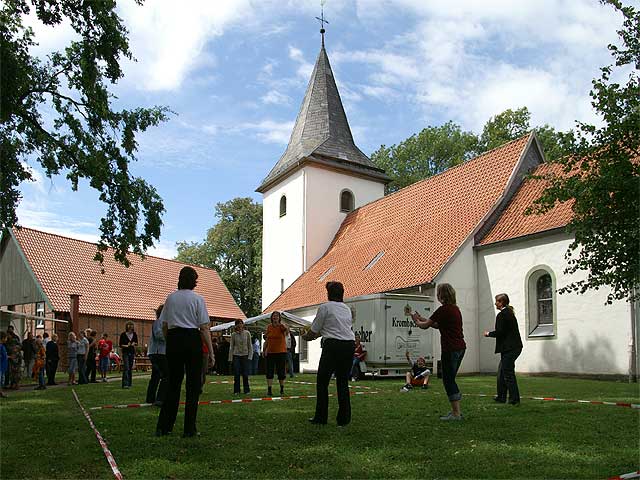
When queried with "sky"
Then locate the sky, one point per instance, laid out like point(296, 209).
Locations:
point(235, 72)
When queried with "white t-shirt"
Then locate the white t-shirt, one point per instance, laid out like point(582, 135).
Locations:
point(333, 320)
point(184, 309)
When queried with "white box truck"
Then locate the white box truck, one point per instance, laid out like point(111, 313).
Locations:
point(387, 331)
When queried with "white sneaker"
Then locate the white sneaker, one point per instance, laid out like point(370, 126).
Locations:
point(404, 389)
point(451, 417)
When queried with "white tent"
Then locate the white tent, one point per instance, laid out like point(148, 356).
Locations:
point(261, 321)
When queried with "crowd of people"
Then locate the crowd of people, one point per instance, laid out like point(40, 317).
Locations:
point(181, 344)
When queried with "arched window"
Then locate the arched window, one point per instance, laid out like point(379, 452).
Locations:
point(283, 205)
point(347, 202)
point(541, 300)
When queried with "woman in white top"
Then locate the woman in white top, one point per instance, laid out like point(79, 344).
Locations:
point(185, 323)
point(240, 354)
point(334, 324)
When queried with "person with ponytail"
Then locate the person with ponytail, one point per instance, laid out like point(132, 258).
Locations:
point(509, 346)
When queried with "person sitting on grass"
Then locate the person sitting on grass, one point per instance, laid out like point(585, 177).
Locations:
point(419, 374)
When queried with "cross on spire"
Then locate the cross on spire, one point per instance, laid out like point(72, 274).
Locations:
point(322, 21)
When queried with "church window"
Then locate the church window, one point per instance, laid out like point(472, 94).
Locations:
point(347, 201)
point(541, 313)
point(283, 205)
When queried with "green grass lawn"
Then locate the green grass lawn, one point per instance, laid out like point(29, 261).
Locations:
point(393, 435)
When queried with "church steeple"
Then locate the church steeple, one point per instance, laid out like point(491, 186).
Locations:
point(321, 133)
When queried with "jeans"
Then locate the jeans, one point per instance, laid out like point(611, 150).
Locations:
point(507, 381)
point(127, 372)
point(355, 368)
point(91, 367)
point(82, 370)
point(159, 382)
point(290, 363)
point(254, 363)
point(336, 358)
point(450, 364)
point(41, 377)
point(104, 364)
point(52, 367)
point(184, 354)
point(241, 366)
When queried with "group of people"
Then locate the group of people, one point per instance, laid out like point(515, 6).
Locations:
point(180, 335)
point(31, 357)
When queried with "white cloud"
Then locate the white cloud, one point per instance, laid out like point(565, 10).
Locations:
point(468, 60)
point(273, 97)
point(304, 68)
point(270, 131)
point(169, 38)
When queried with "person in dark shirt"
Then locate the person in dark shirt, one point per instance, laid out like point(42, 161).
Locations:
point(53, 356)
point(509, 346)
point(128, 343)
point(28, 353)
point(448, 320)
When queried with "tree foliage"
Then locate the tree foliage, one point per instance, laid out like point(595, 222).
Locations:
point(601, 176)
point(58, 113)
point(435, 149)
point(427, 153)
point(512, 124)
point(234, 248)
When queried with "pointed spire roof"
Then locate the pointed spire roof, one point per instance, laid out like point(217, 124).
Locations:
point(321, 133)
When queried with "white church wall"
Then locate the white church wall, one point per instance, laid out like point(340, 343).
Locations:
point(459, 272)
point(590, 337)
point(313, 348)
point(323, 205)
point(282, 237)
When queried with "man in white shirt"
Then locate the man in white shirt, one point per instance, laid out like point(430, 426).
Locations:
point(334, 324)
point(185, 323)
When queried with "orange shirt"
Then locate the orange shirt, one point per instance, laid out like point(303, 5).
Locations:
point(276, 340)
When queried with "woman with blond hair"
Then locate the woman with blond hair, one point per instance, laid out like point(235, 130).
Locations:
point(509, 346)
point(448, 320)
point(128, 343)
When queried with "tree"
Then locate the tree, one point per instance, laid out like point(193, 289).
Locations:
point(427, 153)
point(512, 124)
point(86, 137)
point(601, 176)
point(233, 247)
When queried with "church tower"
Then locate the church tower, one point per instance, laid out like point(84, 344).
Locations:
point(319, 179)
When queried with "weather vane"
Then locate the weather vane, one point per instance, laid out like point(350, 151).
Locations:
point(322, 20)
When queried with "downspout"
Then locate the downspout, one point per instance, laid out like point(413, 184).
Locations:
point(74, 311)
point(633, 343)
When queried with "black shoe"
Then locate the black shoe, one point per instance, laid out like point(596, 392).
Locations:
point(157, 403)
point(269, 393)
point(190, 434)
point(316, 422)
point(499, 400)
point(515, 403)
point(161, 433)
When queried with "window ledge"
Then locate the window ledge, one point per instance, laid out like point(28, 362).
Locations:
point(542, 331)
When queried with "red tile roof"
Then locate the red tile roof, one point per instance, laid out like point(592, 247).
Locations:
point(513, 223)
point(65, 266)
point(418, 228)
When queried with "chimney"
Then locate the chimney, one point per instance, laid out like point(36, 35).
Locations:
point(74, 311)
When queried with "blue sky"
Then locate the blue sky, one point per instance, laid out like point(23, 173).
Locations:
point(235, 73)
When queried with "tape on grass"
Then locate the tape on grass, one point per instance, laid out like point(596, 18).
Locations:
point(554, 399)
point(626, 476)
point(228, 382)
point(103, 444)
point(222, 402)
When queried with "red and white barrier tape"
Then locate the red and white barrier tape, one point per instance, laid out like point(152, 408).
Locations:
point(220, 402)
point(554, 399)
point(103, 444)
point(626, 476)
point(225, 382)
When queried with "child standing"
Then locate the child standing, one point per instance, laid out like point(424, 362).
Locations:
point(38, 365)
point(418, 376)
point(72, 358)
point(104, 351)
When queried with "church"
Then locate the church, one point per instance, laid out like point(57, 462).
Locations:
point(325, 217)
